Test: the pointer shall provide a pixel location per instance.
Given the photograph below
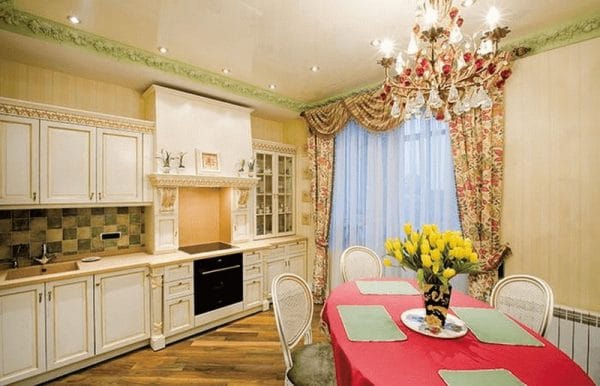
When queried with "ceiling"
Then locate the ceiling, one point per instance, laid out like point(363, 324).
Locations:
point(262, 42)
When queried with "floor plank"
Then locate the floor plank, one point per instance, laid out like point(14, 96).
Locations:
point(244, 352)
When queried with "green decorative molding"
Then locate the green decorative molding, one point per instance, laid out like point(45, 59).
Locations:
point(14, 20)
point(560, 36)
point(17, 21)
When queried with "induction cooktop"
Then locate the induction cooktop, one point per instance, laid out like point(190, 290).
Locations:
point(207, 247)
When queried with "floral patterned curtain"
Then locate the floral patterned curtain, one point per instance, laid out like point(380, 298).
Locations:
point(320, 152)
point(478, 147)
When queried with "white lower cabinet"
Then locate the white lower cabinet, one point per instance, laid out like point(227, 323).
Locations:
point(178, 298)
point(22, 333)
point(253, 280)
point(285, 258)
point(69, 321)
point(122, 308)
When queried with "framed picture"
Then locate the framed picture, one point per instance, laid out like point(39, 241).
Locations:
point(207, 161)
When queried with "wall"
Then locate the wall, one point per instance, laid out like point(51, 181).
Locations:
point(67, 232)
point(199, 216)
point(551, 213)
point(266, 129)
point(36, 84)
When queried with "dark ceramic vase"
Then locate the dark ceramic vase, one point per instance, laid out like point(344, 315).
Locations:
point(437, 299)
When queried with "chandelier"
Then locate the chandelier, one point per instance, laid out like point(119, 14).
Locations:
point(443, 72)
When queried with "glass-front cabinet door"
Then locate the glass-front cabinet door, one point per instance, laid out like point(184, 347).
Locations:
point(274, 204)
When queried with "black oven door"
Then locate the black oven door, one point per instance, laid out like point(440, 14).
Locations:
point(218, 282)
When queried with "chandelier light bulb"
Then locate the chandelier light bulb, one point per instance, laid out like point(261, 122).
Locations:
point(434, 101)
point(419, 100)
point(453, 94)
point(399, 63)
point(455, 35)
point(413, 48)
point(430, 17)
point(467, 3)
point(485, 47)
point(386, 48)
point(493, 17)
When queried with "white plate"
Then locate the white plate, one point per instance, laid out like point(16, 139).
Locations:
point(90, 259)
point(415, 320)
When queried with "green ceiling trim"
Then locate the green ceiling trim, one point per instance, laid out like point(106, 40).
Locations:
point(556, 37)
point(14, 20)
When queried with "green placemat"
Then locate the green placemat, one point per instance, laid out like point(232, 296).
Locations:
point(376, 287)
point(499, 377)
point(369, 324)
point(492, 326)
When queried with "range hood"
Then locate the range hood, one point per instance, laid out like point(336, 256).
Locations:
point(192, 181)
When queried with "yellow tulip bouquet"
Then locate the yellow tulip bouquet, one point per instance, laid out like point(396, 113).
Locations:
point(435, 256)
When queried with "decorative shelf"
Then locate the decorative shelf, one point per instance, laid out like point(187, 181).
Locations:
point(193, 181)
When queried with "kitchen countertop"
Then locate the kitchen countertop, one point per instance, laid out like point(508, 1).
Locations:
point(140, 259)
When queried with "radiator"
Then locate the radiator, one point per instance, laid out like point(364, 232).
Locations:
point(577, 333)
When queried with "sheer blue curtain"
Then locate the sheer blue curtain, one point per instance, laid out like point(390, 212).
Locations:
point(383, 180)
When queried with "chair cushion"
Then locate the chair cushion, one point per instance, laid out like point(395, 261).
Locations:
point(313, 365)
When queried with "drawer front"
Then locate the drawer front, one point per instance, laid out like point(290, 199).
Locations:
point(296, 248)
point(251, 258)
point(275, 253)
point(179, 271)
point(179, 288)
point(252, 271)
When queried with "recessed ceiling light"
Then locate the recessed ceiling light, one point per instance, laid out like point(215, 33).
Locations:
point(375, 42)
point(226, 71)
point(73, 19)
point(315, 68)
point(272, 86)
point(163, 50)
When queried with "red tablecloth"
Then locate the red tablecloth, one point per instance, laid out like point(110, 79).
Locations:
point(416, 361)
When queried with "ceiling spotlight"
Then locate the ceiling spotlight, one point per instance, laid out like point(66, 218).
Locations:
point(73, 19)
point(314, 68)
point(272, 86)
point(163, 50)
point(226, 71)
point(375, 42)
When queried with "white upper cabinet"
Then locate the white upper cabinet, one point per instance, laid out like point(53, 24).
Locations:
point(19, 163)
point(120, 176)
point(68, 163)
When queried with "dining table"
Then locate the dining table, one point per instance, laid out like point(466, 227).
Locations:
point(420, 359)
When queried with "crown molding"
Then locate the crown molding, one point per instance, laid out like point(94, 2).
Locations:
point(194, 181)
point(34, 110)
point(277, 147)
point(556, 37)
point(14, 20)
point(23, 23)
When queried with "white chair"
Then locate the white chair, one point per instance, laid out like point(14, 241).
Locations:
point(310, 364)
point(526, 298)
point(358, 262)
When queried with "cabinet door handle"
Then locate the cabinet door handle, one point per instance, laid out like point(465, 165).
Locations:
point(97, 284)
point(34, 196)
point(100, 196)
point(180, 300)
point(40, 297)
point(49, 296)
point(91, 196)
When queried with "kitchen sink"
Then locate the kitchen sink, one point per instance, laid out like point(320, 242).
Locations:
point(37, 270)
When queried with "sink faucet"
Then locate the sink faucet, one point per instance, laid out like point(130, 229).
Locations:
point(45, 258)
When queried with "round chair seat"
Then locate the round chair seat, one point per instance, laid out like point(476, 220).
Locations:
point(313, 365)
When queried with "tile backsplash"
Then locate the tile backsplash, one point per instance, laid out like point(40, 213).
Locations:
point(68, 231)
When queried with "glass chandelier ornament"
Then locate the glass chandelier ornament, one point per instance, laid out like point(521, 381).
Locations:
point(443, 72)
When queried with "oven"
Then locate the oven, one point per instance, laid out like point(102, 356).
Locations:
point(218, 282)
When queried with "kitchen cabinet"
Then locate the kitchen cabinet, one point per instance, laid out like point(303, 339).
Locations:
point(69, 321)
point(119, 172)
point(19, 160)
point(122, 308)
point(68, 163)
point(253, 280)
point(178, 295)
point(285, 258)
point(274, 197)
point(83, 164)
point(22, 333)
point(240, 215)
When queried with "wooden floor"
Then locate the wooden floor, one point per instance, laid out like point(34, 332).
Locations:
point(244, 352)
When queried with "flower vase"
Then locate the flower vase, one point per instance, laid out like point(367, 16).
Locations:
point(437, 299)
